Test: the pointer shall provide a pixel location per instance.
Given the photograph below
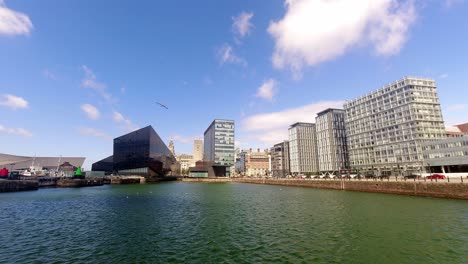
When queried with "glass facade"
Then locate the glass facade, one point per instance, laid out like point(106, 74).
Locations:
point(445, 152)
point(142, 152)
point(219, 146)
point(106, 165)
point(219, 142)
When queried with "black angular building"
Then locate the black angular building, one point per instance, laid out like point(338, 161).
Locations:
point(106, 165)
point(141, 152)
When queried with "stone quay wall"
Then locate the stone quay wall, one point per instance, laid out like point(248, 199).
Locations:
point(79, 182)
point(416, 188)
point(18, 185)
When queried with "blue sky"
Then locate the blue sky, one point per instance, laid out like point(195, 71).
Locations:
point(75, 74)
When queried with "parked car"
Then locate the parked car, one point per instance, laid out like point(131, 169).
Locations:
point(435, 176)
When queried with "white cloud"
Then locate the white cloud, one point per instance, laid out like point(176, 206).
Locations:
point(457, 107)
point(88, 131)
point(90, 81)
point(316, 31)
point(15, 131)
point(12, 101)
point(443, 76)
point(226, 55)
point(12, 22)
point(283, 119)
point(272, 128)
point(267, 90)
point(119, 118)
point(269, 138)
point(241, 24)
point(91, 111)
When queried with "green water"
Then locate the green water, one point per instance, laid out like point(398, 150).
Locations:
point(228, 223)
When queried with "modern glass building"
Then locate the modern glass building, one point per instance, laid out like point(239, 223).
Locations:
point(141, 152)
point(331, 141)
point(387, 127)
point(106, 165)
point(219, 143)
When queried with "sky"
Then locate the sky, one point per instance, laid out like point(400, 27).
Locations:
point(76, 74)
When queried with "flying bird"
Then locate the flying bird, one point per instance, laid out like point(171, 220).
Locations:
point(162, 105)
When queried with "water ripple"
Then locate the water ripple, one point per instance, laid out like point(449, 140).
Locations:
point(228, 223)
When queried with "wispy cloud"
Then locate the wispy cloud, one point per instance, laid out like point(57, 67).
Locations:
point(452, 3)
point(88, 131)
point(90, 81)
point(443, 76)
point(15, 131)
point(457, 107)
point(13, 22)
point(315, 31)
point(241, 25)
point(13, 102)
point(226, 54)
point(91, 111)
point(120, 119)
point(267, 90)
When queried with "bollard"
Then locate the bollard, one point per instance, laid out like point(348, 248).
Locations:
point(461, 177)
point(436, 179)
point(448, 179)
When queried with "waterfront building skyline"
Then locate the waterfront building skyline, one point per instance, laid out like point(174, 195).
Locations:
point(387, 127)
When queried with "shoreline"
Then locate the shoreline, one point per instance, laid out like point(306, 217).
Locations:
point(413, 188)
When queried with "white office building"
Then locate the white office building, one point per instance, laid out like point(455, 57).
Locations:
point(387, 127)
point(332, 147)
point(303, 148)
